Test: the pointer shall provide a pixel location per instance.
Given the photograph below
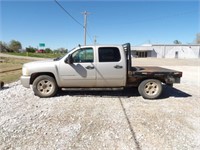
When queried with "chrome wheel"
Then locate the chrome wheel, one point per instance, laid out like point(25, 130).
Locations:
point(151, 88)
point(45, 87)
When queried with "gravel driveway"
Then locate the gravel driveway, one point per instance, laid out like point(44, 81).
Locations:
point(104, 119)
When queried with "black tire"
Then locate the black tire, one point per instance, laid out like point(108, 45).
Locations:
point(1, 85)
point(150, 89)
point(45, 86)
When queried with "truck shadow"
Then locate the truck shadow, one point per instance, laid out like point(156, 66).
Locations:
point(169, 91)
point(127, 92)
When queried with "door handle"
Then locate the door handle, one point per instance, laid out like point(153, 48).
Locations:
point(89, 67)
point(118, 67)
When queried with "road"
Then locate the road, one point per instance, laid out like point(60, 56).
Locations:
point(20, 57)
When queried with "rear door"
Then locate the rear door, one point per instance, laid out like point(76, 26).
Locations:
point(111, 67)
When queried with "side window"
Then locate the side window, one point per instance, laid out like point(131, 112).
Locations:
point(109, 54)
point(83, 55)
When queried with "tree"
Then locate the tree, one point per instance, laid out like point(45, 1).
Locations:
point(48, 50)
point(30, 49)
point(197, 40)
point(61, 50)
point(177, 42)
point(4, 47)
point(15, 46)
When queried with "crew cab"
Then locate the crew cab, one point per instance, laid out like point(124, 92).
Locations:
point(96, 66)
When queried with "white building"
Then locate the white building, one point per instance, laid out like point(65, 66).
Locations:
point(167, 51)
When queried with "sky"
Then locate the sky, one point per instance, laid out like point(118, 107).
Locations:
point(112, 22)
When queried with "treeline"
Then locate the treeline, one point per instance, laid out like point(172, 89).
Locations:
point(16, 46)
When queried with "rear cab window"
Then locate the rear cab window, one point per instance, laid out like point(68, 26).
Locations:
point(109, 54)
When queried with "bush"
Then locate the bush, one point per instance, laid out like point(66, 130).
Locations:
point(31, 49)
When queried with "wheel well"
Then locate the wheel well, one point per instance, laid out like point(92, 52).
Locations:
point(148, 79)
point(35, 75)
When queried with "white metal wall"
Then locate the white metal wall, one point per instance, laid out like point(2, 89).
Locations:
point(177, 51)
point(171, 51)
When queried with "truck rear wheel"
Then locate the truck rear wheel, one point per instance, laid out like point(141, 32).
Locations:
point(150, 89)
point(45, 86)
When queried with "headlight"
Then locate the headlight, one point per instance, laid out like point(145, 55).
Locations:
point(24, 71)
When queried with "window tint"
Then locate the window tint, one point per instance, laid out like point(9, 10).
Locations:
point(109, 54)
point(83, 55)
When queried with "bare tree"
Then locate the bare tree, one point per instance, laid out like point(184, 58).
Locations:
point(4, 47)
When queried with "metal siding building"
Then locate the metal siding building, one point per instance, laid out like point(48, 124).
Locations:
point(166, 51)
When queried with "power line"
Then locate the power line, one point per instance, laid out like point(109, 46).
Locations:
point(85, 21)
point(68, 13)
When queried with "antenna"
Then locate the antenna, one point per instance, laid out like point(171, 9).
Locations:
point(95, 40)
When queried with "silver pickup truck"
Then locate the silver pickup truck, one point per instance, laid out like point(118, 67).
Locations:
point(96, 66)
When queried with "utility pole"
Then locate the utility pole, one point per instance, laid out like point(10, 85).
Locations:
point(95, 40)
point(85, 26)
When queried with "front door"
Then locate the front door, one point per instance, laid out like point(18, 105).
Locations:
point(82, 72)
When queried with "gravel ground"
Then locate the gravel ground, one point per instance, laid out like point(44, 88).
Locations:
point(104, 119)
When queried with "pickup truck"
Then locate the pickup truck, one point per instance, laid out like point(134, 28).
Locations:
point(96, 66)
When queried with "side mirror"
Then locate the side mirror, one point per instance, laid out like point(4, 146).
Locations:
point(69, 59)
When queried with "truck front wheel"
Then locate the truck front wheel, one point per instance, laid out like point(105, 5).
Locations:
point(150, 89)
point(45, 86)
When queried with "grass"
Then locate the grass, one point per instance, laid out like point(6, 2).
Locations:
point(14, 63)
point(40, 55)
point(10, 76)
point(9, 64)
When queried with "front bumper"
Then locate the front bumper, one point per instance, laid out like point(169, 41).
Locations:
point(25, 81)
